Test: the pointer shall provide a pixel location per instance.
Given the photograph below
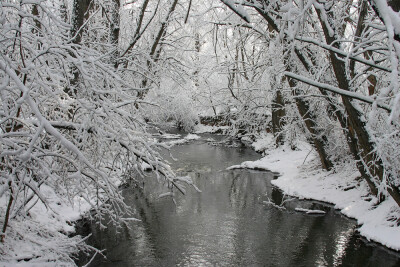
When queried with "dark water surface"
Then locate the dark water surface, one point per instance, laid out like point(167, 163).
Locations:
point(229, 224)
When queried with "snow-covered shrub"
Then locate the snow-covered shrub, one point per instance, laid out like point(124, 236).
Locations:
point(174, 105)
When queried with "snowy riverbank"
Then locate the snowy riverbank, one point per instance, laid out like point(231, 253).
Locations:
point(300, 176)
point(43, 236)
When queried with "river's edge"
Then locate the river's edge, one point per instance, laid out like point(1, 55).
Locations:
point(302, 177)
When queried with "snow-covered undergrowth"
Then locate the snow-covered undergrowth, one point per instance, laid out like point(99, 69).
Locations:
point(42, 237)
point(302, 177)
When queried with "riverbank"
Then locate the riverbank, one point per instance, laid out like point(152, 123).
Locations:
point(302, 177)
point(44, 238)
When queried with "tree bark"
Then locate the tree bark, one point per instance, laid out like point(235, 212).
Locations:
point(278, 112)
point(79, 14)
point(114, 30)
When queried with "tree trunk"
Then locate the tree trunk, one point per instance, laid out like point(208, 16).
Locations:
point(278, 112)
point(155, 50)
point(79, 14)
point(318, 139)
point(355, 118)
point(114, 30)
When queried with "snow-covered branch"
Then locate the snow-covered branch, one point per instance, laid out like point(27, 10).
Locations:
point(238, 9)
point(337, 90)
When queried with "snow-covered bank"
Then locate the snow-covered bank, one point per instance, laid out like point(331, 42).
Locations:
point(42, 237)
point(302, 177)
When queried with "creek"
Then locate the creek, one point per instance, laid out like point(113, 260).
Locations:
point(231, 222)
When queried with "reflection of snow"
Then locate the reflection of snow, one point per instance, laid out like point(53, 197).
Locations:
point(301, 178)
point(166, 194)
point(170, 136)
point(341, 245)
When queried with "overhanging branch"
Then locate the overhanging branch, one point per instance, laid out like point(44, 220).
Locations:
point(342, 53)
point(232, 7)
point(337, 90)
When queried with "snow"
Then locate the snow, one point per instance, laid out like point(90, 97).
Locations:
point(263, 143)
point(146, 167)
point(200, 128)
point(44, 233)
point(192, 137)
point(310, 211)
point(186, 139)
point(238, 9)
point(302, 177)
point(170, 136)
point(176, 142)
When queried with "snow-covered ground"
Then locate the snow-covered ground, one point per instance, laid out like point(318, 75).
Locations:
point(42, 238)
point(302, 177)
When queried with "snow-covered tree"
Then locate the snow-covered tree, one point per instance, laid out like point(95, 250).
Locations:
point(360, 50)
point(70, 131)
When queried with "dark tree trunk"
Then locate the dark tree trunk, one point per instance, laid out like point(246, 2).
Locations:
point(79, 14)
point(114, 30)
point(356, 122)
point(278, 112)
point(318, 139)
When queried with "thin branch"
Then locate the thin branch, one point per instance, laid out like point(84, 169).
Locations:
point(342, 53)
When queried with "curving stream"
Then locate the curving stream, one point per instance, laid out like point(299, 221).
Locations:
point(229, 223)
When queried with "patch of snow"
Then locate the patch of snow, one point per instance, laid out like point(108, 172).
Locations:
point(170, 136)
point(44, 232)
point(146, 167)
point(192, 137)
point(176, 142)
point(200, 128)
point(310, 211)
point(264, 143)
point(131, 219)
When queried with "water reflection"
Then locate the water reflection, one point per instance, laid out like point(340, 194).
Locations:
point(228, 224)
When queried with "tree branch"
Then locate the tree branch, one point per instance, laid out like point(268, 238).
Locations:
point(337, 90)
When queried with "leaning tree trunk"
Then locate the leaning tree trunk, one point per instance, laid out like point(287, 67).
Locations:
point(318, 138)
point(372, 161)
point(156, 48)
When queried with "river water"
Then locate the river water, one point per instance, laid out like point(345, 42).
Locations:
point(230, 223)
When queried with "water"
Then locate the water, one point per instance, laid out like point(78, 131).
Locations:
point(229, 224)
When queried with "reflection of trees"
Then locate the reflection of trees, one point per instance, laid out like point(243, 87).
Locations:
point(370, 255)
point(263, 234)
point(228, 224)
